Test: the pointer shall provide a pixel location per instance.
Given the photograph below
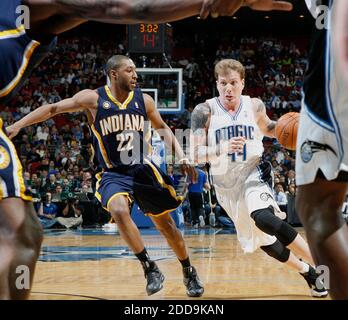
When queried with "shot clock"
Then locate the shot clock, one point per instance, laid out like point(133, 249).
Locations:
point(148, 38)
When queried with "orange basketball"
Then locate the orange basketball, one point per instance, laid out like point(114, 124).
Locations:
point(286, 130)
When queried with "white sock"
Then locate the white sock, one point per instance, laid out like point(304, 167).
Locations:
point(305, 267)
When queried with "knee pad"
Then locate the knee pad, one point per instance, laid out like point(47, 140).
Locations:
point(277, 251)
point(268, 222)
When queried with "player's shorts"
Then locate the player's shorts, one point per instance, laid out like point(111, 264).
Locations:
point(244, 197)
point(145, 184)
point(12, 182)
point(19, 53)
point(322, 143)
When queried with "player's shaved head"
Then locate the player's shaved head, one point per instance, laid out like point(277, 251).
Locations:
point(115, 62)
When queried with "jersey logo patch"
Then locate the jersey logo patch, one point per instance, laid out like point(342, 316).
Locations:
point(106, 105)
point(4, 158)
point(308, 148)
point(265, 196)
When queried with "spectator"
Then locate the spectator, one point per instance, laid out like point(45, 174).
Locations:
point(58, 194)
point(52, 184)
point(47, 212)
point(85, 195)
point(71, 215)
point(172, 176)
point(281, 198)
point(292, 216)
point(196, 198)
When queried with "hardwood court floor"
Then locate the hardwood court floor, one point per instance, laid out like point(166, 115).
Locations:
point(92, 264)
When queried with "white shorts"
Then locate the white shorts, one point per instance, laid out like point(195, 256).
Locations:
point(322, 142)
point(240, 202)
point(319, 148)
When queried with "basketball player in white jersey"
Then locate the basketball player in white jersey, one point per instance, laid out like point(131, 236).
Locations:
point(322, 145)
point(228, 132)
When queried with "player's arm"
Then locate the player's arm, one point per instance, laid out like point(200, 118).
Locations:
point(268, 5)
point(127, 11)
point(167, 135)
point(200, 120)
point(266, 125)
point(162, 128)
point(86, 99)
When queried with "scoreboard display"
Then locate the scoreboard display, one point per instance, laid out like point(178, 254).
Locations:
point(147, 38)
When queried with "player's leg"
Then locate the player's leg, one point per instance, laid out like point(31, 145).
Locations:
point(281, 253)
point(286, 236)
point(301, 249)
point(120, 211)
point(319, 206)
point(20, 242)
point(166, 225)
point(267, 221)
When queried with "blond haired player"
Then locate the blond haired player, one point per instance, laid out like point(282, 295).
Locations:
point(228, 132)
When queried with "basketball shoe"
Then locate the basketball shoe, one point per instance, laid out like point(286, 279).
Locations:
point(154, 278)
point(316, 285)
point(194, 286)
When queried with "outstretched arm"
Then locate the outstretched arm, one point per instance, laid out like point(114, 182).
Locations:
point(86, 99)
point(169, 139)
point(162, 128)
point(136, 11)
point(266, 125)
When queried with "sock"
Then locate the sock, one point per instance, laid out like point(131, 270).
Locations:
point(185, 263)
point(305, 267)
point(144, 259)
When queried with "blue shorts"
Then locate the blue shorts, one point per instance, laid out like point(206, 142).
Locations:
point(145, 184)
point(112, 184)
point(12, 182)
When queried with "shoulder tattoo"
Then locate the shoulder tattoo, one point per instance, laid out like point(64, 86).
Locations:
point(200, 116)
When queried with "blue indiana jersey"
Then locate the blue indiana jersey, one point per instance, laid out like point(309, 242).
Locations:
point(121, 132)
point(19, 54)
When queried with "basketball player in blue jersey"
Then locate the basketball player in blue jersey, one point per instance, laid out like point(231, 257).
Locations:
point(117, 116)
point(21, 50)
point(228, 132)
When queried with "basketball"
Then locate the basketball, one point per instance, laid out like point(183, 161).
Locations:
point(286, 130)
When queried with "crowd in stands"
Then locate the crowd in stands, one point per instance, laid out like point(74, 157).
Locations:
point(57, 156)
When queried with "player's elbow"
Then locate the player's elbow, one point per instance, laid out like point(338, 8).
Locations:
point(53, 110)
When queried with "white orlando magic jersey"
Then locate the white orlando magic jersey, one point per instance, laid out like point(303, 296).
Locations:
point(224, 126)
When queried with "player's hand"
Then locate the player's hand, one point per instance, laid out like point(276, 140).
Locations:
point(220, 8)
point(268, 5)
point(235, 144)
point(229, 7)
point(189, 170)
point(12, 131)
